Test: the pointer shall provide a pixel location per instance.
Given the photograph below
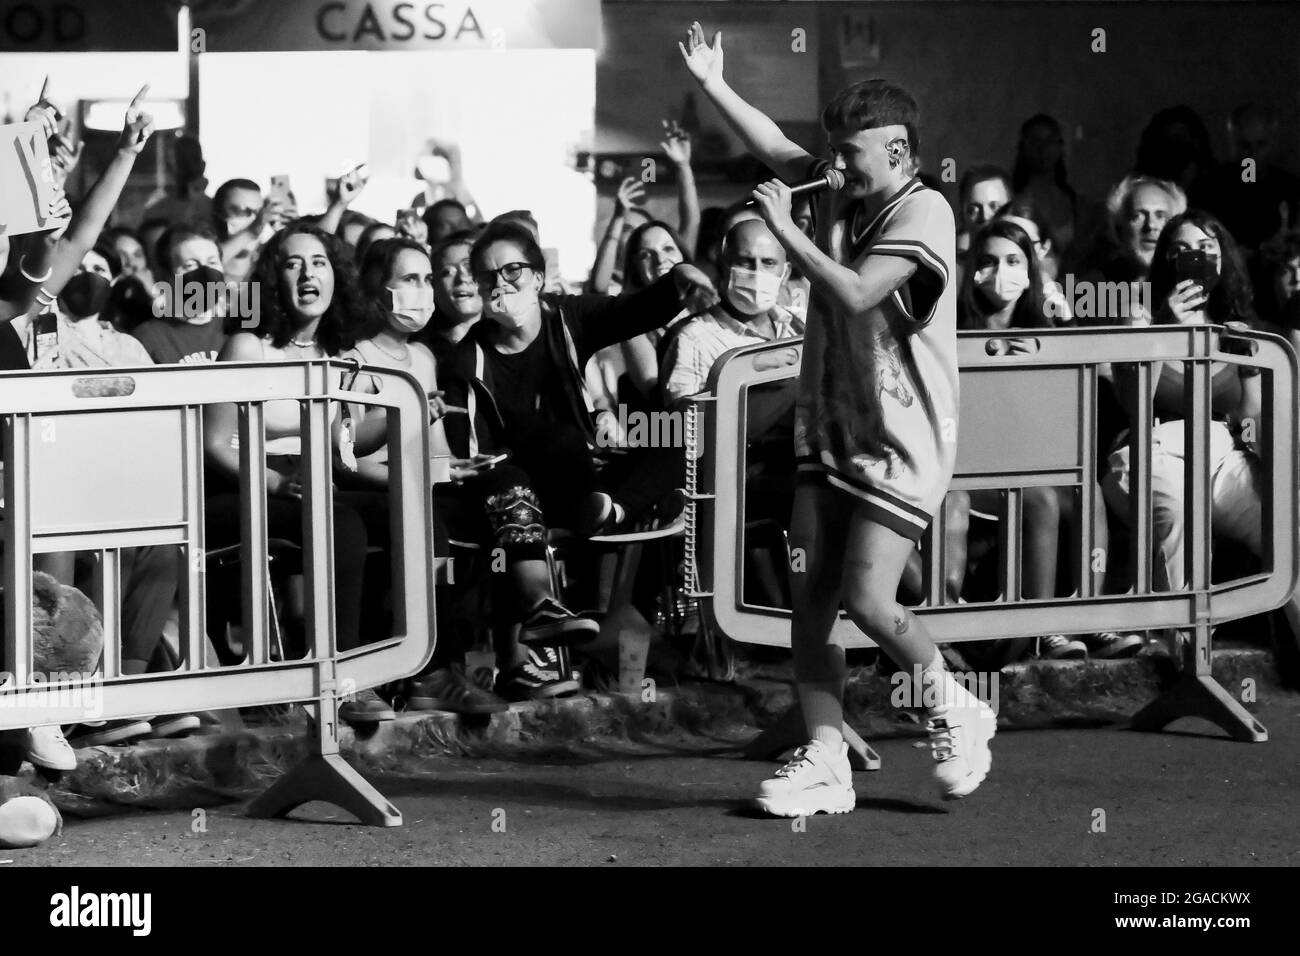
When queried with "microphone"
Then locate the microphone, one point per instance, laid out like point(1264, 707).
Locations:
point(831, 179)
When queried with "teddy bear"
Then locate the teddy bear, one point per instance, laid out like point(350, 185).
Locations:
point(68, 637)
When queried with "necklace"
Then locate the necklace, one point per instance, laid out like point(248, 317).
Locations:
point(401, 356)
point(310, 344)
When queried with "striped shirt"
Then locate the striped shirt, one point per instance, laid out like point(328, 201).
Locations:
point(706, 338)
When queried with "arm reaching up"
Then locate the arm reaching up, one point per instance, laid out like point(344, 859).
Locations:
point(761, 136)
point(677, 146)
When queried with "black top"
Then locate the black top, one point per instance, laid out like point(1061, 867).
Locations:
point(524, 386)
point(13, 355)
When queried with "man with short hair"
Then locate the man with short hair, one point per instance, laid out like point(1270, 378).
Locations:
point(753, 267)
point(189, 255)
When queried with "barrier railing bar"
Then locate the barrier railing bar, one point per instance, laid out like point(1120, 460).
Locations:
point(193, 573)
point(18, 561)
point(1139, 446)
point(54, 542)
point(253, 550)
point(1009, 530)
point(108, 593)
point(1087, 496)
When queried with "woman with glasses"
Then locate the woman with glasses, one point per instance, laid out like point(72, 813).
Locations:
point(530, 353)
point(487, 502)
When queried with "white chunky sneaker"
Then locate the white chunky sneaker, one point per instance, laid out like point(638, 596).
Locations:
point(960, 734)
point(48, 748)
point(816, 780)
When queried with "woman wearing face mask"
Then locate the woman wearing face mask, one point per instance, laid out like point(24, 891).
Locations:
point(1004, 290)
point(493, 504)
point(310, 308)
point(1221, 296)
point(531, 353)
point(84, 340)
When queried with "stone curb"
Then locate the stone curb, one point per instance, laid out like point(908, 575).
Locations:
point(201, 770)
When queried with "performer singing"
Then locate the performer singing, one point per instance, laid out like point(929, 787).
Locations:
point(876, 420)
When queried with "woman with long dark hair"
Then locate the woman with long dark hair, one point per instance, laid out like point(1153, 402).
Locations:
point(310, 307)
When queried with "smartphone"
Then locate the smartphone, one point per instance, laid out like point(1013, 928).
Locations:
point(332, 188)
point(280, 189)
point(1193, 264)
point(46, 332)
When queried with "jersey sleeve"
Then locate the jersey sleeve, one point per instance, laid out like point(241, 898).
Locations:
point(920, 229)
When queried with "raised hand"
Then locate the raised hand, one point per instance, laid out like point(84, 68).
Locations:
point(59, 208)
point(694, 287)
point(677, 144)
point(631, 192)
point(138, 126)
point(704, 61)
point(44, 112)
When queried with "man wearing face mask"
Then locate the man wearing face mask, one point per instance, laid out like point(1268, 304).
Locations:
point(753, 269)
point(189, 310)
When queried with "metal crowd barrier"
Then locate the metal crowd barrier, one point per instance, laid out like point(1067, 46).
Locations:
point(112, 459)
point(1029, 420)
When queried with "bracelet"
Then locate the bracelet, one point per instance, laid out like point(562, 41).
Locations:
point(22, 267)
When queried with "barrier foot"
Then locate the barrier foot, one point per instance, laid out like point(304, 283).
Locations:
point(326, 777)
point(789, 731)
point(1200, 695)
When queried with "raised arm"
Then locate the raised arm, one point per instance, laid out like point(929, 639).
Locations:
point(349, 186)
point(761, 136)
point(630, 192)
point(677, 147)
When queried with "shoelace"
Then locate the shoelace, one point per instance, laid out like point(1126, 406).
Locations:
point(942, 744)
point(798, 762)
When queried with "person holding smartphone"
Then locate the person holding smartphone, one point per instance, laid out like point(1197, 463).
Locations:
point(1197, 277)
point(490, 501)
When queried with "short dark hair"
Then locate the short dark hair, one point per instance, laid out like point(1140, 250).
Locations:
point(508, 232)
point(378, 262)
point(871, 104)
point(110, 256)
point(462, 237)
point(229, 186)
point(982, 174)
point(175, 235)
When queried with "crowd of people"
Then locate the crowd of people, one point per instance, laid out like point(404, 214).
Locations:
point(527, 376)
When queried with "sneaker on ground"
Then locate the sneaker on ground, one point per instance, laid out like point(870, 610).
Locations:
point(102, 733)
point(1058, 647)
point(175, 725)
point(366, 708)
point(960, 734)
point(48, 748)
point(450, 690)
point(537, 678)
point(816, 780)
point(552, 623)
point(1111, 646)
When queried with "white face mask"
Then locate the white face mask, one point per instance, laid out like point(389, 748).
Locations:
point(237, 224)
point(752, 292)
point(411, 307)
point(1003, 284)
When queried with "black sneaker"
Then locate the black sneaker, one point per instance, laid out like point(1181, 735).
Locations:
point(367, 708)
point(538, 678)
point(450, 690)
point(553, 624)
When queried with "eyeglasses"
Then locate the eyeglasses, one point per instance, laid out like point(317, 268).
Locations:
point(510, 272)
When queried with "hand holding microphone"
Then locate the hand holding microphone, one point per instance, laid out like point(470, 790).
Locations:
point(774, 199)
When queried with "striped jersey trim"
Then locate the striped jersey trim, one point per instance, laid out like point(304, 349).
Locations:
point(880, 508)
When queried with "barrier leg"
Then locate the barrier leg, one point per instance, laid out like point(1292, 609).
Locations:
point(790, 731)
point(326, 776)
point(1197, 694)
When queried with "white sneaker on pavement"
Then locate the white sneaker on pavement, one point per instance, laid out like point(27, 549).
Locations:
point(960, 730)
point(816, 780)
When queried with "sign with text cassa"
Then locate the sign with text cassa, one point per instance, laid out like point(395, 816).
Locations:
point(25, 185)
point(397, 25)
point(78, 26)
